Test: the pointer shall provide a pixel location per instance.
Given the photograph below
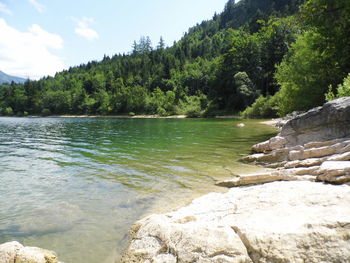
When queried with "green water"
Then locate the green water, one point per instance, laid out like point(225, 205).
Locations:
point(76, 185)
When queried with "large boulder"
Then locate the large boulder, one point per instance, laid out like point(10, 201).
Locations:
point(306, 142)
point(331, 121)
point(275, 222)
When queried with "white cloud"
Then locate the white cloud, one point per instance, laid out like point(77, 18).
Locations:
point(82, 28)
point(27, 54)
point(39, 7)
point(4, 9)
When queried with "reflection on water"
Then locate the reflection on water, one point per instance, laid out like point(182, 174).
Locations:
point(76, 185)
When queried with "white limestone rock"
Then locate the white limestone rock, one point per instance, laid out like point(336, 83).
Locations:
point(274, 222)
point(331, 121)
point(36, 255)
point(8, 251)
point(274, 143)
point(14, 252)
point(337, 172)
point(250, 179)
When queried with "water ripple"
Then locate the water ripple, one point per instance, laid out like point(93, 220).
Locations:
point(65, 179)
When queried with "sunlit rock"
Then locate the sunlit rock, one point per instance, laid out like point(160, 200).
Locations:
point(8, 251)
point(275, 222)
point(307, 141)
point(35, 255)
point(337, 172)
point(14, 252)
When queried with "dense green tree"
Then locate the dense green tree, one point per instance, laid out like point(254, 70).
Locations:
point(302, 76)
point(161, 44)
point(203, 69)
point(319, 58)
point(245, 89)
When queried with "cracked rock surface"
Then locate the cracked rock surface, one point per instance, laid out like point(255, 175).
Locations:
point(297, 221)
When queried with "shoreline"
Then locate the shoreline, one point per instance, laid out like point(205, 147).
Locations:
point(128, 117)
point(266, 216)
point(180, 233)
point(157, 207)
point(272, 122)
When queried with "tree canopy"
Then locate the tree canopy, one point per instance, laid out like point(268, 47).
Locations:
point(255, 49)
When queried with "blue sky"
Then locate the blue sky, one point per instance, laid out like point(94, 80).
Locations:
point(41, 37)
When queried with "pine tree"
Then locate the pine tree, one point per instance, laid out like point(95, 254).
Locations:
point(161, 44)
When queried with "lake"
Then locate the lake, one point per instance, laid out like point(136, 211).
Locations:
point(75, 185)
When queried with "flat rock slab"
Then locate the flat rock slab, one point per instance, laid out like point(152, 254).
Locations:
point(249, 179)
point(275, 222)
point(337, 172)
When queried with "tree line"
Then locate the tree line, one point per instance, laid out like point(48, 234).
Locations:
point(258, 57)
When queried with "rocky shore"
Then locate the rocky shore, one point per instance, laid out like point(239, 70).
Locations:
point(313, 146)
point(297, 212)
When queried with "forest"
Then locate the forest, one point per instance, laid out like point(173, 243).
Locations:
point(258, 58)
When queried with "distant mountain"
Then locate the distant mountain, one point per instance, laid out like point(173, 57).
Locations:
point(4, 78)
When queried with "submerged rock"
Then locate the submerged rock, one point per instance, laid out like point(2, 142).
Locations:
point(275, 222)
point(54, 218)
point(14, 252)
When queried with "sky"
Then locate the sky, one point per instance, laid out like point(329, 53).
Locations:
point(42, 37)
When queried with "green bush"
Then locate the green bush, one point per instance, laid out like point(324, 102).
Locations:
point(194, 112)
point(8, 111)
point(263, 107)
point(192, 106)
point(45, 112)
point(212, 110)
point(162, 112)
point(343, 90)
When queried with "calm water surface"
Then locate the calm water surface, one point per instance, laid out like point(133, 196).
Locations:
point(76, 185)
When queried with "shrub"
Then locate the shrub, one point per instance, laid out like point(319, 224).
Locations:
point(161, 111)
point(263, 107)
point(8, 111)
point(194, 112)
point(192, 106)
point(45, 112)
point(343, 90)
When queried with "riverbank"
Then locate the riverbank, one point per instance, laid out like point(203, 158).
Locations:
point(268, 220)
point(128, 116)
point(286, 214)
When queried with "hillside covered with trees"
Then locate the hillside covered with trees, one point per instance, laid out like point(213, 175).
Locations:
point(279, 55)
